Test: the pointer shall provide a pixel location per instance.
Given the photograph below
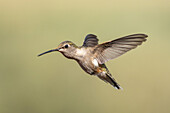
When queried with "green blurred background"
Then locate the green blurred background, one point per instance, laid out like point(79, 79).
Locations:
point(54, 84)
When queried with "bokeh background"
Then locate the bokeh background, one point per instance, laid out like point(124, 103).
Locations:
point(54, 84)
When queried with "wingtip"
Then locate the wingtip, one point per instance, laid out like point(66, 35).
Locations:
point(142, 35)
point(145, 35)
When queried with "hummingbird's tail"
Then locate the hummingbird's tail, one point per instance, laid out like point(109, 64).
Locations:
point(107, 78)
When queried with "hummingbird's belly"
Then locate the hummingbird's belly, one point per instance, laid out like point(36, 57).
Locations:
point(88, 66)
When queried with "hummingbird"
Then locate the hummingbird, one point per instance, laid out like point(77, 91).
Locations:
point(92, 56)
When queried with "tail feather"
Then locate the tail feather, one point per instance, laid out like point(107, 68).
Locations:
point(107, 78)
point(113, 82)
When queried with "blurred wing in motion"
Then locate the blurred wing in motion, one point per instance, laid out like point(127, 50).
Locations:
point(115, 48)
point(90, 41)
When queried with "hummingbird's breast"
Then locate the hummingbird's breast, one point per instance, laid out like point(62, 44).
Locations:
point(87, 66)
point(86, 60)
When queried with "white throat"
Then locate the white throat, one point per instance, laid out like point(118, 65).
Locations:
point(81, 52)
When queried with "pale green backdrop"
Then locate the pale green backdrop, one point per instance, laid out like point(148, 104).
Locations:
point(54, 84)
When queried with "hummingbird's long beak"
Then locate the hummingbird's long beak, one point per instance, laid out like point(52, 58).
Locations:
point(48, 51)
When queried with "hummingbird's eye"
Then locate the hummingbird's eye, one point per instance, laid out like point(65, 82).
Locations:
point(66, 46)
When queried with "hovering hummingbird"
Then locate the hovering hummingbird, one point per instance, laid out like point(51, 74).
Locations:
point(92, 56)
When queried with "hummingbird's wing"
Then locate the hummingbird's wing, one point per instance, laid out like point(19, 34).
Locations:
point(90, 40)
point(113, 49)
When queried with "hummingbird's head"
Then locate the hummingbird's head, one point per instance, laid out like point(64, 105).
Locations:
point(66, 48)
